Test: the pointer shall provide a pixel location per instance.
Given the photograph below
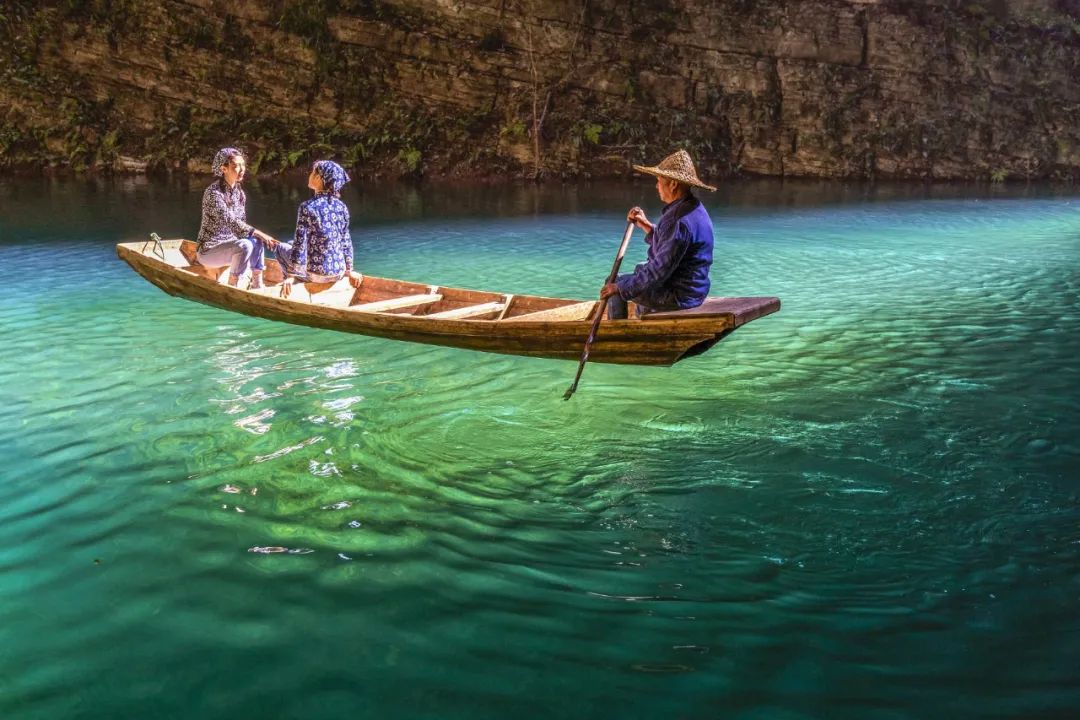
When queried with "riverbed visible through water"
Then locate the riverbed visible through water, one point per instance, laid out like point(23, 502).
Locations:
point(863, 506)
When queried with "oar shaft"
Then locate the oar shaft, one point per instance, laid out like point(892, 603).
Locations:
point(622, 251)
point(600, 310)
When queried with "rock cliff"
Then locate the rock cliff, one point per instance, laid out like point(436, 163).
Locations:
point(941, 89)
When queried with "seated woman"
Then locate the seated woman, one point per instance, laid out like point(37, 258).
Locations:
point(322, 250)
point(225, 238)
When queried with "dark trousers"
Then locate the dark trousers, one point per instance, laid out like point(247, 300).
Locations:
point(658, 300)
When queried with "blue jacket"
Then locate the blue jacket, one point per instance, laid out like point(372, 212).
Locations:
point(680, 253)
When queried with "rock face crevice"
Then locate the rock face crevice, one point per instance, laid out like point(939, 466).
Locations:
point(932, 89)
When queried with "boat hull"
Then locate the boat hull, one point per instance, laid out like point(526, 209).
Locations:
point(661, 341)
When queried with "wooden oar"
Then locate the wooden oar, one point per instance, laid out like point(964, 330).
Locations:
point(600, 311)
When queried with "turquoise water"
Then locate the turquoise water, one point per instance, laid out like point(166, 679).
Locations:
point(864, 506)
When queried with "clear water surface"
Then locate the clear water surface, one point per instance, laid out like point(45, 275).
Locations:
point(864, 506)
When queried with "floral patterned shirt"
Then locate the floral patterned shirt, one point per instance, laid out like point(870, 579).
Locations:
point(224, 215)
point(322, 244)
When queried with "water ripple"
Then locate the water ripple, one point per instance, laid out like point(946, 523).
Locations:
point(874, 485)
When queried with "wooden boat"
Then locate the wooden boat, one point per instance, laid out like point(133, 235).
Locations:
point(417, 312)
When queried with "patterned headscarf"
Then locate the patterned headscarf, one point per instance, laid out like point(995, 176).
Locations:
point(333, 175)
point(224, 155)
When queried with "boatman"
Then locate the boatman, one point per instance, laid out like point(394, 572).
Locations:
point(676, 274)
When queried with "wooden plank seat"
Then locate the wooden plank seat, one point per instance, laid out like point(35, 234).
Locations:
point(467, 312)
point(190, 252)
point(398, 303)
point(742, 309)
point(574, 311)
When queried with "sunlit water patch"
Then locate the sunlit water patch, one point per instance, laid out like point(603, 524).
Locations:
point(862, 506)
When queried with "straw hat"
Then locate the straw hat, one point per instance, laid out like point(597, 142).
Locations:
point(676, 166)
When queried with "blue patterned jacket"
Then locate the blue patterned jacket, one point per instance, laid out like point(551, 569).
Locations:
point(322, 244)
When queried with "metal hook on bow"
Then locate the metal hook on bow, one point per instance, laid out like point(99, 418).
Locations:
point(157, 249)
